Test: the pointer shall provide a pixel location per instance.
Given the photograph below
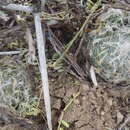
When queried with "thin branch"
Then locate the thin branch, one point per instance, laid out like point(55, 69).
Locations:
point(79, 47)
point(43, 66)
point(9, 53)
point(125, 122)
point(18, 7)
point(59, 48)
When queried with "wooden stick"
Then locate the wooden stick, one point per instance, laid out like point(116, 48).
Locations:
point(43, 66)
point(9, 53)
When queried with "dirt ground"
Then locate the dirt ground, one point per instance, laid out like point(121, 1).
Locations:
point(80, 105)
point(75, 105)
point(101, 108)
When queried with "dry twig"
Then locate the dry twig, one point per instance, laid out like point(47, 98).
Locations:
point(18, 7)
point(43, 66)
point(10, 53)
point(59, 48)
point(125, 122)
point(31, 46)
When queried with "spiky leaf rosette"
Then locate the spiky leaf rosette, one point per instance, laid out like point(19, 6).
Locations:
point(110, 47)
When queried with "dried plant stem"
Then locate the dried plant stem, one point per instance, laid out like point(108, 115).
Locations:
point(66, 107)
point(79, 33)
point(43, 67)
point(18, 7)
point(9, 53)
point(125, 122)
point(31, 46)
point(93, 76)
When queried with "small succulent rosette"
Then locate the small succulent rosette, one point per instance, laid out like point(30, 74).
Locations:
point(16, 88)
point(110, 46)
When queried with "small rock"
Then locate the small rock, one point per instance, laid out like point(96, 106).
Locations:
point(119, 117)
point(57, 104)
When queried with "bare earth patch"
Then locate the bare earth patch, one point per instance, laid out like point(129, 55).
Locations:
point(102, 108)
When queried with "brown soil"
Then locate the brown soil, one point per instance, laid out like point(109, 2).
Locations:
point(95, 108)
point(101, 108)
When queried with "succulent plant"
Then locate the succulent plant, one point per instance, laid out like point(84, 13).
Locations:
point(110, 46)
point(16, 87)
